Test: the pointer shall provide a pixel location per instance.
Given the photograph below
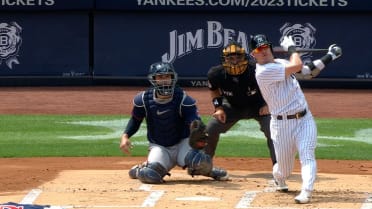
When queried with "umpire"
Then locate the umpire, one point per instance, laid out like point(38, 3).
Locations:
point(235, 96)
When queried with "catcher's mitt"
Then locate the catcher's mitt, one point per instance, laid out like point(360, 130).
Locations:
point(198, 135)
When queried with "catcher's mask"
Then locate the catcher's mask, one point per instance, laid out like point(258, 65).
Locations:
point(258, 42)
point(234, 59)
point(163, 87)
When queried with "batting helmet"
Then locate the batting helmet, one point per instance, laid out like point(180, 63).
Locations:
point(259, 40)
point(163, 87)
point(234, 58)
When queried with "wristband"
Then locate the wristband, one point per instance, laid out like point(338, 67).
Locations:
point(291, 50)
point(319, 64)
point(217, 102)
point(306, 70)
point(326, 59)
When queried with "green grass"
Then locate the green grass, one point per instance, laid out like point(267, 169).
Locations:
point(82, 135)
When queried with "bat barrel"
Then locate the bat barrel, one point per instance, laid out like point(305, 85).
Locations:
point(279, 49)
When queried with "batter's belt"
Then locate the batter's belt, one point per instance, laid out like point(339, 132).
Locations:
point(294, 116)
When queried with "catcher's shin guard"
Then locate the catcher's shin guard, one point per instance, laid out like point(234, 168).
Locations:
point(152, 173)
point(198, 163)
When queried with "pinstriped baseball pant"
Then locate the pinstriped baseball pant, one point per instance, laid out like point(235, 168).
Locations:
point(292, 136)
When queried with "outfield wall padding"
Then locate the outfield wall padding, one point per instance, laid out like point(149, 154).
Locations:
point(113, 41)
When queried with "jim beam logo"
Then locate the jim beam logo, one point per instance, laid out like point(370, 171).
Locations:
point(10, 42)
point(303, 36)
point(215, 35)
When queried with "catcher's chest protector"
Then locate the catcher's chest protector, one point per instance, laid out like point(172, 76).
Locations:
point(164, 121)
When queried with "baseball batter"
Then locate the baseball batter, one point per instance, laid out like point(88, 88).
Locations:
point(169, 111)
point(292, 125)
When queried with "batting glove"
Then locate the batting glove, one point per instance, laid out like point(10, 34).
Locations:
point(287, 42)
point(335, 51)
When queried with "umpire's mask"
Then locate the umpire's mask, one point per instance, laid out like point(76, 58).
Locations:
point(234, 59)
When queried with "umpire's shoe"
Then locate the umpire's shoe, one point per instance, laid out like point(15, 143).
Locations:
point(219, 174)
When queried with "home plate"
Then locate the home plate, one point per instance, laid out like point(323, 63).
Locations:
point(198, 198)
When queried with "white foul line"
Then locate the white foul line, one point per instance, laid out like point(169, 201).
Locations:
point(31, 196)
point(198, 198)
point(246, 200)
point(145, 187)
point(92, 206)
point(368, 203)
point(153, 197)
point(150, 201)
point(271, 207)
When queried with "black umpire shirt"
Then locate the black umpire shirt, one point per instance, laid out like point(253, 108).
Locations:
point(241, 91)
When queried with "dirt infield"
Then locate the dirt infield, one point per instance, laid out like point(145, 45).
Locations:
point(103, 182)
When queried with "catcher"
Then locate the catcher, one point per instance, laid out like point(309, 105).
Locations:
point(172, 118)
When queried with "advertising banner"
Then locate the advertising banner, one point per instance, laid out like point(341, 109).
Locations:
point(40, 5)
point(44, 45)
point(236, 5)
point(127, 43)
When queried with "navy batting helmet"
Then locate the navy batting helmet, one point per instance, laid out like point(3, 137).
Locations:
point(258, 40)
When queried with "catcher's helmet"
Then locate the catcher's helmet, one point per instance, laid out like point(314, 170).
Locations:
point(163, 87)
point(234, 58)
point(259, 40)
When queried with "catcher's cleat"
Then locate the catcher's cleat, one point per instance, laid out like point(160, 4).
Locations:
point(133, 172)
point(219, 174)
point(281, 186)
point(303, 197)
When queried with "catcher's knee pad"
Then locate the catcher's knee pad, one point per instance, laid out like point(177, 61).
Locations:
point(198, 163)
point(152, 173)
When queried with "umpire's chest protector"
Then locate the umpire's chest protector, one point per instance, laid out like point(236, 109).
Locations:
point(164, 122)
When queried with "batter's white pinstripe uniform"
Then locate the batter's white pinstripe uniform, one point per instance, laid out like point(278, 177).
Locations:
point(285, 98)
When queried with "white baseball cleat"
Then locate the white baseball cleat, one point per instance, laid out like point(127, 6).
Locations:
point(303, 197)
point(281, 186)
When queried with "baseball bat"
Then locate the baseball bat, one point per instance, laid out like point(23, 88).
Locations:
point(279, 49)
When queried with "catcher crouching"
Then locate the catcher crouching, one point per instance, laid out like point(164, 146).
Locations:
point(175, 131)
